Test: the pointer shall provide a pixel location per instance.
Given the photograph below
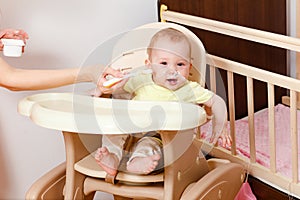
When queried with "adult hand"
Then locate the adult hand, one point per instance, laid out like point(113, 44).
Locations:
point(13, 34)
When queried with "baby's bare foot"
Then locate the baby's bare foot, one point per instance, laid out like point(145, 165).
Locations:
point(108, 161)
point(143, 165)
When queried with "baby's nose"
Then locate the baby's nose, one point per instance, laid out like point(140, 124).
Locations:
point(173, 73)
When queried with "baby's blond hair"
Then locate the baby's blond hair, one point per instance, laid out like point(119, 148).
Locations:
point(170, 34)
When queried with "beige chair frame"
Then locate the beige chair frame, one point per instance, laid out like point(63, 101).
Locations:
point(189, 176)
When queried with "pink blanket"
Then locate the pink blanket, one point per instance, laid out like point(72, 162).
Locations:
point(283, 138)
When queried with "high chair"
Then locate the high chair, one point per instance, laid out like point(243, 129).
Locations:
point(186, 174)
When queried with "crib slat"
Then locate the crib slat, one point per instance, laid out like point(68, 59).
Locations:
point(212, 71)
point(294, 135)
point(272, 137)
point(250, 103)
point(230, 84)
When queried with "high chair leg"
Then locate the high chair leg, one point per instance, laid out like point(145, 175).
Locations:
point(49, 186)
point(75, 150)
point(183, 162)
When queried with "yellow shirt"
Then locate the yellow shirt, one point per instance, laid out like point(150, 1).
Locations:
point(143, 88)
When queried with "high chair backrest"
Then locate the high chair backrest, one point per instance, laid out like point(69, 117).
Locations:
point(131, 49)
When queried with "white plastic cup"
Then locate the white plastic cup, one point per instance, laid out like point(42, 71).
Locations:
point(12, 47)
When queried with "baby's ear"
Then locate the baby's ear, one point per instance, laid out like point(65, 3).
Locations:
point(147, 63)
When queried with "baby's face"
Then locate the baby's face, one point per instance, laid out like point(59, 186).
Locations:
point(169, 70)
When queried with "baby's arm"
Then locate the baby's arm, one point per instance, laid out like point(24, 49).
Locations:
point(219, 120)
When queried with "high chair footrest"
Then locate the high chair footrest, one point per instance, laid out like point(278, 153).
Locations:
point(152, 191)
point(89, 167)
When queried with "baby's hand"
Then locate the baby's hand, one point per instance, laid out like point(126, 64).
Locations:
point(225, 138)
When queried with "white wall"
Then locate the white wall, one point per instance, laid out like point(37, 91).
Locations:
point(62, 34)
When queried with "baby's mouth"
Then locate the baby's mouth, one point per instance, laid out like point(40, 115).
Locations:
point(172, 81)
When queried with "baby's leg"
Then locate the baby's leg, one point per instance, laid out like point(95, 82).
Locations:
point(146, 157)
point(110, 154)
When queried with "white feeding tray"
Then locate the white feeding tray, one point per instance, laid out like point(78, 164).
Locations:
point(86, 114)
point(12, 47)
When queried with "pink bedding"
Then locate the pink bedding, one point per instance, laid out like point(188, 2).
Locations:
point(283, 138)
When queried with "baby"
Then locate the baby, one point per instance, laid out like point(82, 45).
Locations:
point(169, 57)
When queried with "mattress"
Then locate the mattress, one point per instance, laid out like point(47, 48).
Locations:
point(282, 134)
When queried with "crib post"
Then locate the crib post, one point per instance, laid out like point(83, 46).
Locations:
point(294, 137)
point(163, 8)
point(298, 53)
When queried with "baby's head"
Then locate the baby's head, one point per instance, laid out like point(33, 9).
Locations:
point(169, 57)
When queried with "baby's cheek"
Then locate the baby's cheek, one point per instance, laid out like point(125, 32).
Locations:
point(184, 74)
point(157, 78)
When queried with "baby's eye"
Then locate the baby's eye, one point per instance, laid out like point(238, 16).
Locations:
point(163, 63)
point(181, 64)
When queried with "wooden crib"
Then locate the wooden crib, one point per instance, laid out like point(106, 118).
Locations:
point(268, 175)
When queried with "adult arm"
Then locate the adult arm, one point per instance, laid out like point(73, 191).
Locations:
point(25, 79)
point(22, 79)
point(17, 79)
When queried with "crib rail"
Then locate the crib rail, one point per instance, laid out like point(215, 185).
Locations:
point(272, 80)
point(268, 175)
point(237, 31)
